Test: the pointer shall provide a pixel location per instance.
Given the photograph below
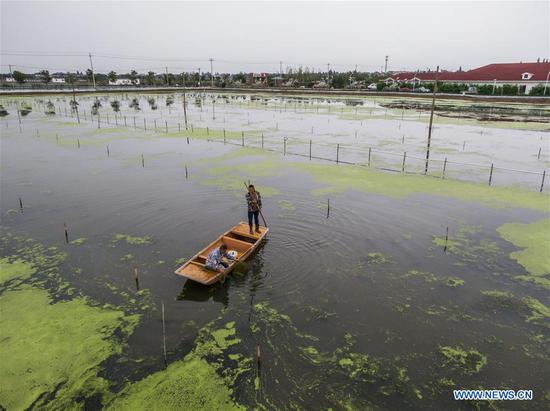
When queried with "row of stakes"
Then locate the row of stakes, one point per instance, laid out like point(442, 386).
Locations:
point(284, 146)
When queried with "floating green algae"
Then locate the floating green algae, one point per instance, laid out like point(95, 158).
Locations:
point(51, 353)
point(191, 384)
point(146, 240)
point(15, 269)
point(338, 178)
point(534, 238)
point(286, 205)
point(79, 241)
point(376, 258)
point(470, 361)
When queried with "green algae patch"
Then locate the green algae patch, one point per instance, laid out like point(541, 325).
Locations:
point(534, 239)
point(376, 258)
point(190, 384)
point(337, 178)
point(286, 205)
point(454, 282)
point(79, 241)
point(51, 353)
point(146, 240)
point(10, 269)
point(470, 361)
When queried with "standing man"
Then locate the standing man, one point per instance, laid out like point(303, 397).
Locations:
point(254, 201)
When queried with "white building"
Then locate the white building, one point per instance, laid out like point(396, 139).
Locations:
point(124, 82)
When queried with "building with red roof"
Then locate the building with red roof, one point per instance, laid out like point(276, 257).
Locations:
point(523, 75)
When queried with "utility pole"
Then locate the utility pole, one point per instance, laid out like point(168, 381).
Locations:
point(211, 73)
point(431, 121)
point(386, 66)
point(13, 83)
point(167, 82)
point(92, 67)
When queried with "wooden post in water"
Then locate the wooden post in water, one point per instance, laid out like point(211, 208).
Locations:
point(404, 158)
point(369, 156)
point(166, 125)
point(242, 136)
point(66, 233)
point(491, 174)
point(21, 205)
point(108, 153)
point(186, 174)
point(136, 278)
point(163, 334)
point(184, 110)
point(538, 155)
point(337, 153)
point(444, 168)
point(142, 161)
point(446, 239)
point(542, 183)
point(224, 136)
point(284, 146)
point(310, 149)
point(262, 140)
point(431, 122)
point(78, 142)
point(328, 207)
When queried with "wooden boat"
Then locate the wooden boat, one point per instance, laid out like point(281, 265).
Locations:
point(238, 239)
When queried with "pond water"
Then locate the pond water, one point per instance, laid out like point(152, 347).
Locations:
point(362, 304)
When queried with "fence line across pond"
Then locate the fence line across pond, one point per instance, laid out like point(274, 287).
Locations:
point(285, 142)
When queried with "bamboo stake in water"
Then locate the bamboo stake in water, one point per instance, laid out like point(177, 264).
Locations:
point(186, 174)
point(444, 168)
point(542, 183)
point(136, 278)
point(404, 158)
point(163, 334)
point(242, 137)
point(538, 155)
point(328, 207)
point(446, 240)
point(78, 142)
point(142, 161)
point(108, 154)
point(491, 174)
point(21, 205)
point(66, 233)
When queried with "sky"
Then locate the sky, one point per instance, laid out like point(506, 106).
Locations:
point(257, 36)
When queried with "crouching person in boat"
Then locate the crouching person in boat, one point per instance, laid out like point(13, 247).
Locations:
point(215, 262)
point(254, 200)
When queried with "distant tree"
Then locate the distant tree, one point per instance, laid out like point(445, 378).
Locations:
point(133, 76)
point(115, 105)
point(539, 90)
point(19, 76)
point(46, 78)
point(89, 75)
point(111, 76)
point(150, 78)
point(69, 78)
